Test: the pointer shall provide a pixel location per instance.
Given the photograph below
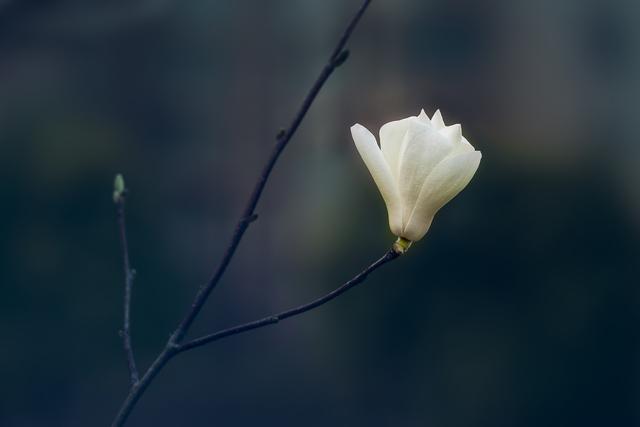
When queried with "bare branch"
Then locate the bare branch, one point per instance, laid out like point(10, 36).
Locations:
point(119, 195)
point(338, 56)
point(170, 351)
point(270, 320)
point(172, 347)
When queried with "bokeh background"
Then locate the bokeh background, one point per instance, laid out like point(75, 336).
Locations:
point(520, 308)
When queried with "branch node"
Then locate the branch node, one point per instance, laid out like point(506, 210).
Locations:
point(341, 58)
point(249, 219)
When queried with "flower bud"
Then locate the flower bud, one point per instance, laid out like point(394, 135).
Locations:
point(420, 166)
point(119, 188)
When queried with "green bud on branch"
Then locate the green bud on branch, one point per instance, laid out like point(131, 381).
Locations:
point(119, 189)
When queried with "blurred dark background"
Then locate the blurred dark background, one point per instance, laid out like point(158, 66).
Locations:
point(520, 307)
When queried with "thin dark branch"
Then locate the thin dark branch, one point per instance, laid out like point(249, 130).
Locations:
point(128, 284)
point(136, 392)
point(270, 320)
point(337, 58)
point(170, 351)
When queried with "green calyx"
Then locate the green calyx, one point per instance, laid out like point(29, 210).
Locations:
point(401, 245)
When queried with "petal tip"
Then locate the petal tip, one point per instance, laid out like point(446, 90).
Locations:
point(358, 129)
point(437, 120)
point(423, 117)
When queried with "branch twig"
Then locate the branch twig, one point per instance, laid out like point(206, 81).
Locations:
point(338, 56)
point(270, 320)
point(173, 345)
point(171, 351)
point(119, 194)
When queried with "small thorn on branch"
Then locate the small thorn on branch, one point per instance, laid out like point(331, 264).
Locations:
point(249, 219)
point(281, 134)
point(341, 58)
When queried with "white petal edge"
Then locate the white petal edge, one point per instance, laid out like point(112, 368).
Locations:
point(380, 172)
point(446, 181)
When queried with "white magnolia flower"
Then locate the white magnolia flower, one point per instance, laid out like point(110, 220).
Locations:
point(420, 166)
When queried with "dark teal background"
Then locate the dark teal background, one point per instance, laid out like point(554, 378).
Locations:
point(519, 308)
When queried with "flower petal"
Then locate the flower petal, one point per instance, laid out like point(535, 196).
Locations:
point(437, 121)
point(446, 180)
point(391, 137)
point(464, 146)
point(377, 164)
point(452, 133)
point(423, 149)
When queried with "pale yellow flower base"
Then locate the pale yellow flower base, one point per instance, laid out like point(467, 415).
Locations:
point(401, 245)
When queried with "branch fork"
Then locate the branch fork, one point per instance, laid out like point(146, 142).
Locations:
point(174, 345)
